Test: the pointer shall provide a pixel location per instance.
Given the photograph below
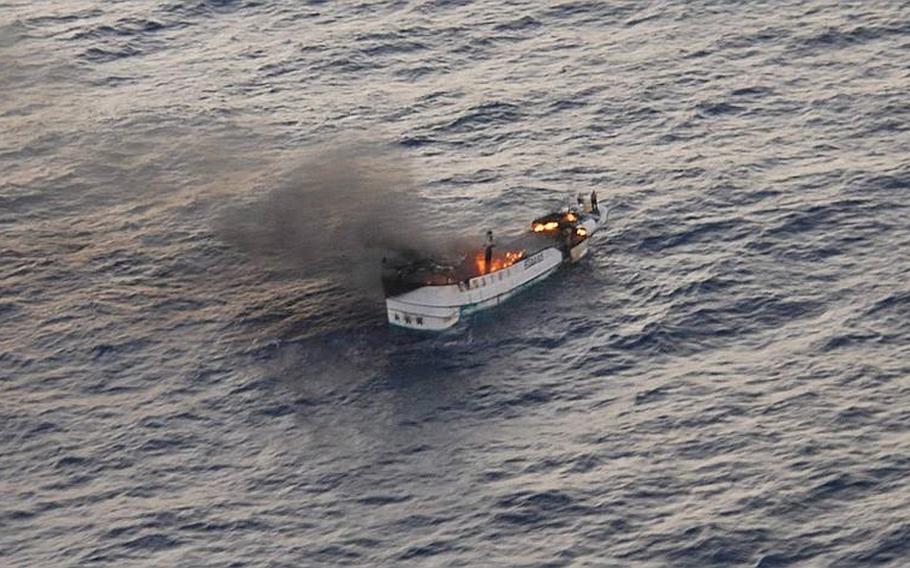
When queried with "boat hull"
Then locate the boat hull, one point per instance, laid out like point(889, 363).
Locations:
point(435, 308)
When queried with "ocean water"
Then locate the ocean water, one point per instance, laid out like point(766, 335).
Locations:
point(723, 381)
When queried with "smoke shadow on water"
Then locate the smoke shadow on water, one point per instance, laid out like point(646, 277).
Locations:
point(373, 376)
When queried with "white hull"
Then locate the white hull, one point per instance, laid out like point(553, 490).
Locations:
point(440, 307)
point(435, 308)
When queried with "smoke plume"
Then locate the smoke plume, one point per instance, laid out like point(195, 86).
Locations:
point(335, 215)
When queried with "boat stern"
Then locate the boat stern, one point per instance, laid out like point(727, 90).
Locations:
point(414, 316)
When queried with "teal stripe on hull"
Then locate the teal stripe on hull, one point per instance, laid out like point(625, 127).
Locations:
point(496, 300)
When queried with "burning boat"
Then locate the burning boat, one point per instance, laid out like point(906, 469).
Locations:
point(423, 293)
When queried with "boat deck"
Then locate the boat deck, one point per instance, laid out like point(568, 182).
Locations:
point(505, 253)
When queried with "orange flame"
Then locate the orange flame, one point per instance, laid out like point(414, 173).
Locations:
point(499, 261)
point(541, 227)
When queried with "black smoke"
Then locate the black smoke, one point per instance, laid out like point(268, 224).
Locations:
point(334, 215)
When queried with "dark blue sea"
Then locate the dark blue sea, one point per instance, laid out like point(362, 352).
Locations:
point(195, 364)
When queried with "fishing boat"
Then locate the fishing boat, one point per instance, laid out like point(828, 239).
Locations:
point(427, 294)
